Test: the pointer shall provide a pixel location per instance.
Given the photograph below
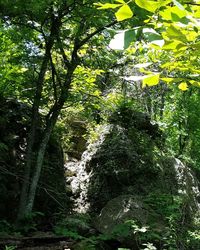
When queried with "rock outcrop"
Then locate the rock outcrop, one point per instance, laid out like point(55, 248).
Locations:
point(125, 175)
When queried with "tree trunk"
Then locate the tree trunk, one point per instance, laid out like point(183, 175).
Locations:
point(31, 140)
point(50, 123)
point(39, 163)
point(30, 154)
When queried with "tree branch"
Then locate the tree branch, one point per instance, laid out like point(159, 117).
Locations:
point(192, 3)
point(65, 60)
point(85, 40)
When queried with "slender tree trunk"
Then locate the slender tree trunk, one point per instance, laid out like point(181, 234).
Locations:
point(50, 123)
point(30, 154)
point(31, 140)
point(39, 163)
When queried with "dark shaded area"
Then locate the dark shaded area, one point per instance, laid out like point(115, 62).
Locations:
point(128, 118)
point(51, 195)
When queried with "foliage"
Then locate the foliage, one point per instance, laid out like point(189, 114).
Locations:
point(172, 27)
point(74, 226)
point(149, 246)
point(172, 235)
point(30, 222)
point(10, 247)
point(5, 227)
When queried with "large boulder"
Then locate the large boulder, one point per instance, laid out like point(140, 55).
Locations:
point(178, 179)
point(126, 176)
point(127, 160)
point(125, 163)
point(119, 210)
point(175, 181)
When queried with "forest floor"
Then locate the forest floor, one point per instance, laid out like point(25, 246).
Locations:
point(50, 242)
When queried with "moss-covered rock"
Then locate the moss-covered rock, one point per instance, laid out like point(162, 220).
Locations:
point(126, 163)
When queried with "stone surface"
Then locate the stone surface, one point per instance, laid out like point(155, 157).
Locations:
point(178, 179)
point(119, 210)
point(126, 161)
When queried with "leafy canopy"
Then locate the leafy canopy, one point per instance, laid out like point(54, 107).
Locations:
point(169, 29)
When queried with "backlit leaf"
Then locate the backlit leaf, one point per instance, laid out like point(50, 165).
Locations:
point(120, 1)
point(151, 80)
point(101, 6)
point(183, 86)
point(167, 79)
point(124, 13)
point(148, 5)
point(175, 33)
point(171, 45)
point(197, 13)
point(168, 13)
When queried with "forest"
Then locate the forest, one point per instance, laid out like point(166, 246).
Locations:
point(100, 124)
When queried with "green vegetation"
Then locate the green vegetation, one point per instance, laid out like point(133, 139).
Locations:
point(72, 69)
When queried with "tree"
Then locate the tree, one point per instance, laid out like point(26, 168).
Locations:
point(52, 35)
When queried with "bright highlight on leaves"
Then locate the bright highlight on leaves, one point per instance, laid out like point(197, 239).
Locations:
point(120, 1)
point(171, 26)
point(170, 13)
point(167, 79)
point(102, 6)
point(151, 6)
point(124, 13)
point(183, 86)
point(151, 80)
point(180, 6)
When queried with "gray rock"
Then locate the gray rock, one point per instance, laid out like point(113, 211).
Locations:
point(119, 210)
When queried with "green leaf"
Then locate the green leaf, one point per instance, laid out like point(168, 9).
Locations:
point(167, 79)
point(175, 33)
point(151, 80)
point(129, 37)
point(120, 1)
point(107, 6)
point(171, 45)
point(183, 86)
point(170, 12)
point(195, 46)
point(152, 36)
point(124, 13)
point(148, 5)
point(194, 83)
point(197, 13)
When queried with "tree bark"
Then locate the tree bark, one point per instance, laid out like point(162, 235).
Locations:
point(50, 123)
point(30, 154)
